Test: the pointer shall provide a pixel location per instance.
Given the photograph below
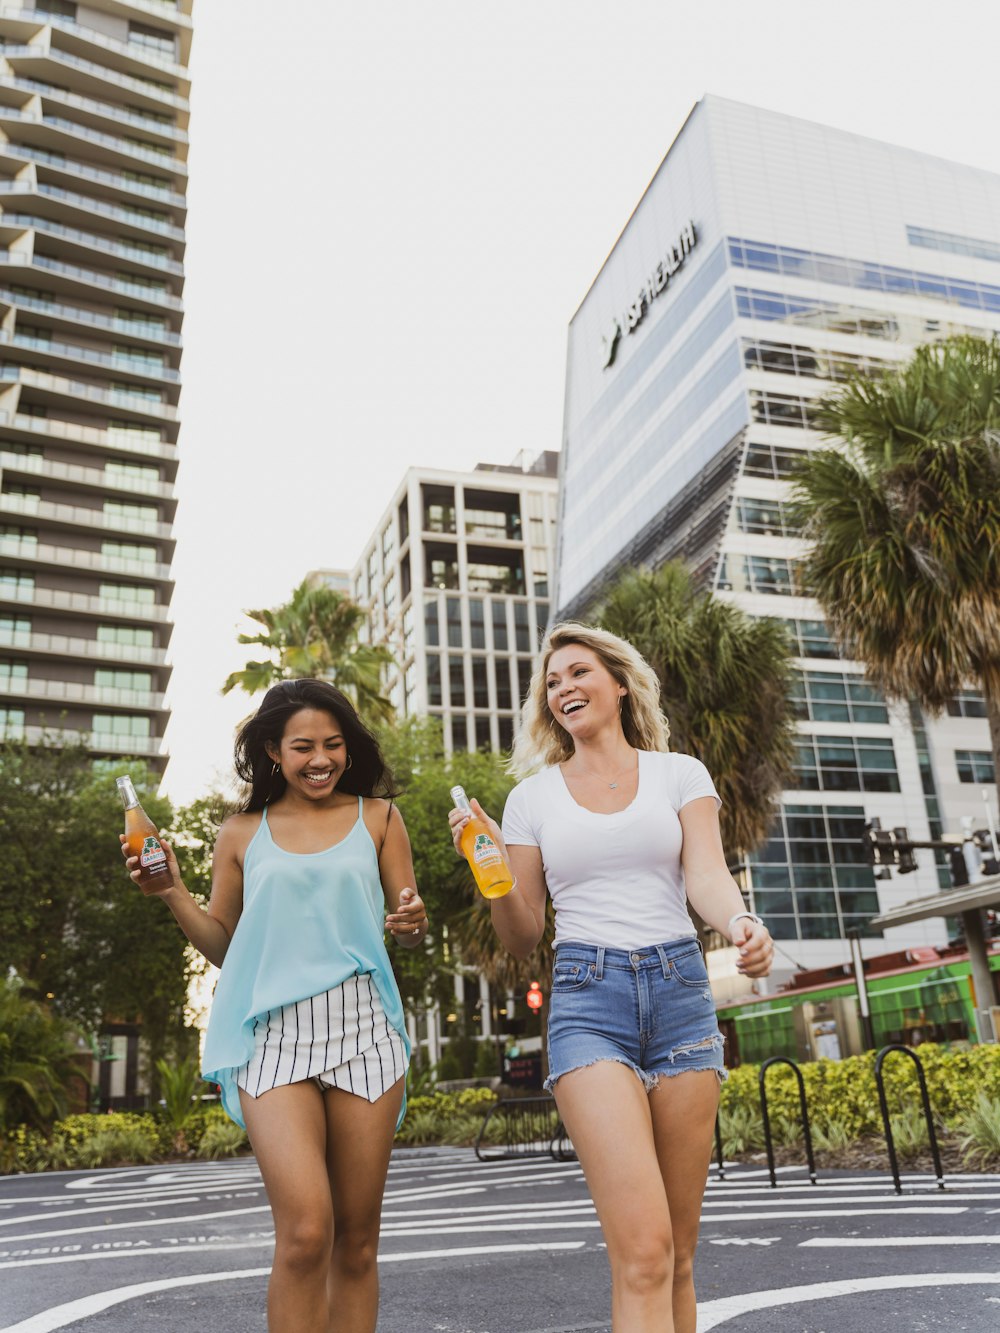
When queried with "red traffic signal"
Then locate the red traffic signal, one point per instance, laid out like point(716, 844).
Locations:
point(534, 997)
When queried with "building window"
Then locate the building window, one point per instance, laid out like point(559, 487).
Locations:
point(434, 680)
point(830, 696)
point(769, 518)
point(500, 637)
point(773, 575)
point(11, 721)
point(124, 432)
point(432, 633)
point(501, 668)
point(810, 638)
point(776, 462)
point(132, 636)
point(456, 681)
point(15, 585)
point(792, 359)
point(488, 514)
point(505, 732)
point(146, 555)
point(480, 686)
point(967, 703)
point(439, 508)
point(13, 535)
point(483, 738)
point(453, 613)
point(495, 571)
point(63, 9)
point(124, 512)
point(541, 620)
point(13, 671)
point(524, 674)
point(153, 39)
point(522, 633)
point(136, 682)
point(975, 766)
point(441, 565)
point(404, 520)
point(131, 593)
point(477, 623)
point(459, 733)
point(782, 409)
point(119, 724)
point(116, 470)
point(17, 629)
point(405, 578)
point(846, 763)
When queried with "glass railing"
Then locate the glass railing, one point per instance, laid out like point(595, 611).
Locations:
point(114, 141)
point(149, 89)
point(99, 479)
point(73, 692)
point(62, 23)
point(92, 276)
point(42, 553)
point(133, 328)
point(117, 113)
point(112, 360)
point(109, 397)
point(81, 516)
point(56, 599)
point(104, 744)
point(94, 435)
point(88, 649)
point(119, 249)
point(162, 193)
point(92, 205)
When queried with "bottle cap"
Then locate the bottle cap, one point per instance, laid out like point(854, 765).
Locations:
point(459, 797)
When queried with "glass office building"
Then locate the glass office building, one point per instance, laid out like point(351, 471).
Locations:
point(93, 182)
point(767, 259)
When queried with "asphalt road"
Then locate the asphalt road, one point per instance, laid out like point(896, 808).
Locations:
point(508, 1247)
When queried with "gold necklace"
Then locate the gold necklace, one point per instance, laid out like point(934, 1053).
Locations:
point(613, 785)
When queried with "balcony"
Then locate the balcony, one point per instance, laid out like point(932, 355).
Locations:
point(96, 742)
point(70, 557)
point(42, 49)
point(69, 200)
point(92, 278)
point(78, 516)
point(77, 36)
point(113, 362)
point(94, 436)
point(88, 650)
point(55, 599)
point(46, 130)
point(162, 194)
point(72, 692)
point(108, 111)
point(89, 240)
point(138, 329)
point(113, 400)
point(91, 477)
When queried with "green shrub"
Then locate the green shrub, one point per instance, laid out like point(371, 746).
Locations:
point(980, 1130)
point(221, 1139)
point(119, 1145)
point(742, 1129)
point(831, 1135)
point(39, 1061)
point(909, 1131)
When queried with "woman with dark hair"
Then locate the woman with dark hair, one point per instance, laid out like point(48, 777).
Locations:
point(307, 1039)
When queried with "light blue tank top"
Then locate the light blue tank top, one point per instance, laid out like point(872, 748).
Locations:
point(309, 922)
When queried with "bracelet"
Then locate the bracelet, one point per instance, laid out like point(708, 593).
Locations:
point(738, 916)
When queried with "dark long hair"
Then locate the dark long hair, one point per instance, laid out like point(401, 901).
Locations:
point(368, 774)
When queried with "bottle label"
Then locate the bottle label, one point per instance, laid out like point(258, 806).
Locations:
point(152, 856)
point(485, 852)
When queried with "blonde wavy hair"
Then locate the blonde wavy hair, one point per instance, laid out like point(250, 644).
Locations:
point(542, 742)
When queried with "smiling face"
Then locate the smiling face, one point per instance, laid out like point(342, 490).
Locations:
point(312, 753)
point(582, 694)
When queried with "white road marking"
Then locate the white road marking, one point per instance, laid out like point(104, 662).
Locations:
point(149, 1222)
point(714, 1313)
point(73, 1311)
point(81, 1212)
point(903, 1242)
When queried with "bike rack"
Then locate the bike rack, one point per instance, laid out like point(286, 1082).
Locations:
point(532, 1128)
point(887, 1123)
point(768, 1143)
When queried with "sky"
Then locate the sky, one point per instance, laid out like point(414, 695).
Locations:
point(395, 209)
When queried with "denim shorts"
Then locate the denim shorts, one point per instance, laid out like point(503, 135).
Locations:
point(650, 1009)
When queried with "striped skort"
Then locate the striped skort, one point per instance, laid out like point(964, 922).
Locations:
point(339, 1040)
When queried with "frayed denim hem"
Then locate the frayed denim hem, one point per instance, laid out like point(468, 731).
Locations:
point(650, 1079)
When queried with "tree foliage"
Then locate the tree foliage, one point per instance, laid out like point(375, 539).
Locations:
point(725, 680)
point(73, 926)
point(903, 517)
point(40, 1060)
point(315, 634)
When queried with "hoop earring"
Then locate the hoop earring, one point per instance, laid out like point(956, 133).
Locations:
point(350, 761)
point(275, 768)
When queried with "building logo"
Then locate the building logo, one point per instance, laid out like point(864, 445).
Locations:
point(654, 285)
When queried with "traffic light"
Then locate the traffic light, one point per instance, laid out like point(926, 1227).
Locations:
point(535, 999)
point(888, 847)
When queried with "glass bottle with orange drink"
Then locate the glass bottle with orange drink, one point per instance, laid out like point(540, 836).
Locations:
point(486, 861)
point(142, 841)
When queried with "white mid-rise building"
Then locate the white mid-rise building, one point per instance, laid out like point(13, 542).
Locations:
point(767, 258)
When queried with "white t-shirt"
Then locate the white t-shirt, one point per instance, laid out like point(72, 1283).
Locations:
point(615, 879)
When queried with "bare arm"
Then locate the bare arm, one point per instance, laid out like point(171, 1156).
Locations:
point(712, 890)
point(209, 929)
point(407, 917)
point(519, 916)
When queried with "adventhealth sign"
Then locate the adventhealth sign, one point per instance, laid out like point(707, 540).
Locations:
point(653, 286)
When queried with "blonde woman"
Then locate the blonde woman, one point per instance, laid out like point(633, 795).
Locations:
point(622, 834)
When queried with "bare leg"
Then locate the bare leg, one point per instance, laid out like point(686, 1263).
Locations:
point(683, 1109)
point(359, 1141)
point(287, 1129)
point(606, 1111)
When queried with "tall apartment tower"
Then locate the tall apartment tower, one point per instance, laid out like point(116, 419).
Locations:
point(456, 577)
point(93, 150)
point(767, 259)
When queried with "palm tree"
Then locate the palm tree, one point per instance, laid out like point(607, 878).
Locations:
point(725, 687)
point(40, 1061)
point(904, 520)
point(315, 634)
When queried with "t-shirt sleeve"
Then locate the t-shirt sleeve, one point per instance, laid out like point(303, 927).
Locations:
point(516, 826)
point(691, 780)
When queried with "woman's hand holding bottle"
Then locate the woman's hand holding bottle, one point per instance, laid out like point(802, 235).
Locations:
point(152, 889)
point(479, 840)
